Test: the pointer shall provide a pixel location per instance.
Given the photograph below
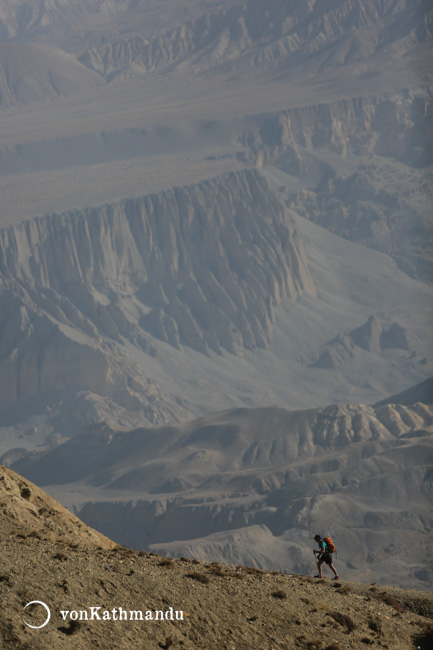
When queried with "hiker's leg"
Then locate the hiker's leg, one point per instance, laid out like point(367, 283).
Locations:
point(333, 569)
point(319, 567)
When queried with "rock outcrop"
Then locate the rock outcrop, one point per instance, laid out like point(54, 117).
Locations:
point(27, 511)
point(391, 125)
point(373, 336)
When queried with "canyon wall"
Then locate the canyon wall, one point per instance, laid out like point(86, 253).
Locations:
point(396, 126)
point(363, 169)
point(203, 266)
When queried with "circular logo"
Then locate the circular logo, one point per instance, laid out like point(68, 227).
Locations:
point(38, 602)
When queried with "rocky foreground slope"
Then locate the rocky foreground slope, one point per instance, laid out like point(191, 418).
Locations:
point(77, 574)
point(254, 485)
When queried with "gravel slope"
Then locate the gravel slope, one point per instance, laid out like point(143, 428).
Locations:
point(222, 606)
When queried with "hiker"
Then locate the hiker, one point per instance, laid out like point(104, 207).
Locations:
point(324, 555)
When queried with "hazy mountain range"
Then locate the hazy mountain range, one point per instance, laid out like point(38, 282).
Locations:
point(253, 486)
point(221, 210)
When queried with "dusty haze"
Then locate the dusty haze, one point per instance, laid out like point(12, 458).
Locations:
point(216, 273)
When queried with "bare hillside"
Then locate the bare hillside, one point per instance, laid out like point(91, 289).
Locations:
point(77, 25)
point(252, 485)
point(298, 37)
point(31, 73)
point(27, 511)
point(213, 605)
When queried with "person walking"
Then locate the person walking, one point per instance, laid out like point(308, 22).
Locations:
point(324, 555)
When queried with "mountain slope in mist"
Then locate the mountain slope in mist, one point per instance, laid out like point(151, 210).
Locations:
point(296, 39)
point(302, 37)
point(31, 73)
point(104, 311)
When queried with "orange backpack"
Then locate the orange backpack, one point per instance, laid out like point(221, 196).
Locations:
point(330, 544)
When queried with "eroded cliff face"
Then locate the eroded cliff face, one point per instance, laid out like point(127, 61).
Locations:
point(203, 266)
point(395, 126)
point(363, 167)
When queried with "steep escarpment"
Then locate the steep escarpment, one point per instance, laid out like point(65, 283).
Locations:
point(203, 266)
point(392, 126)
point(363, 170)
